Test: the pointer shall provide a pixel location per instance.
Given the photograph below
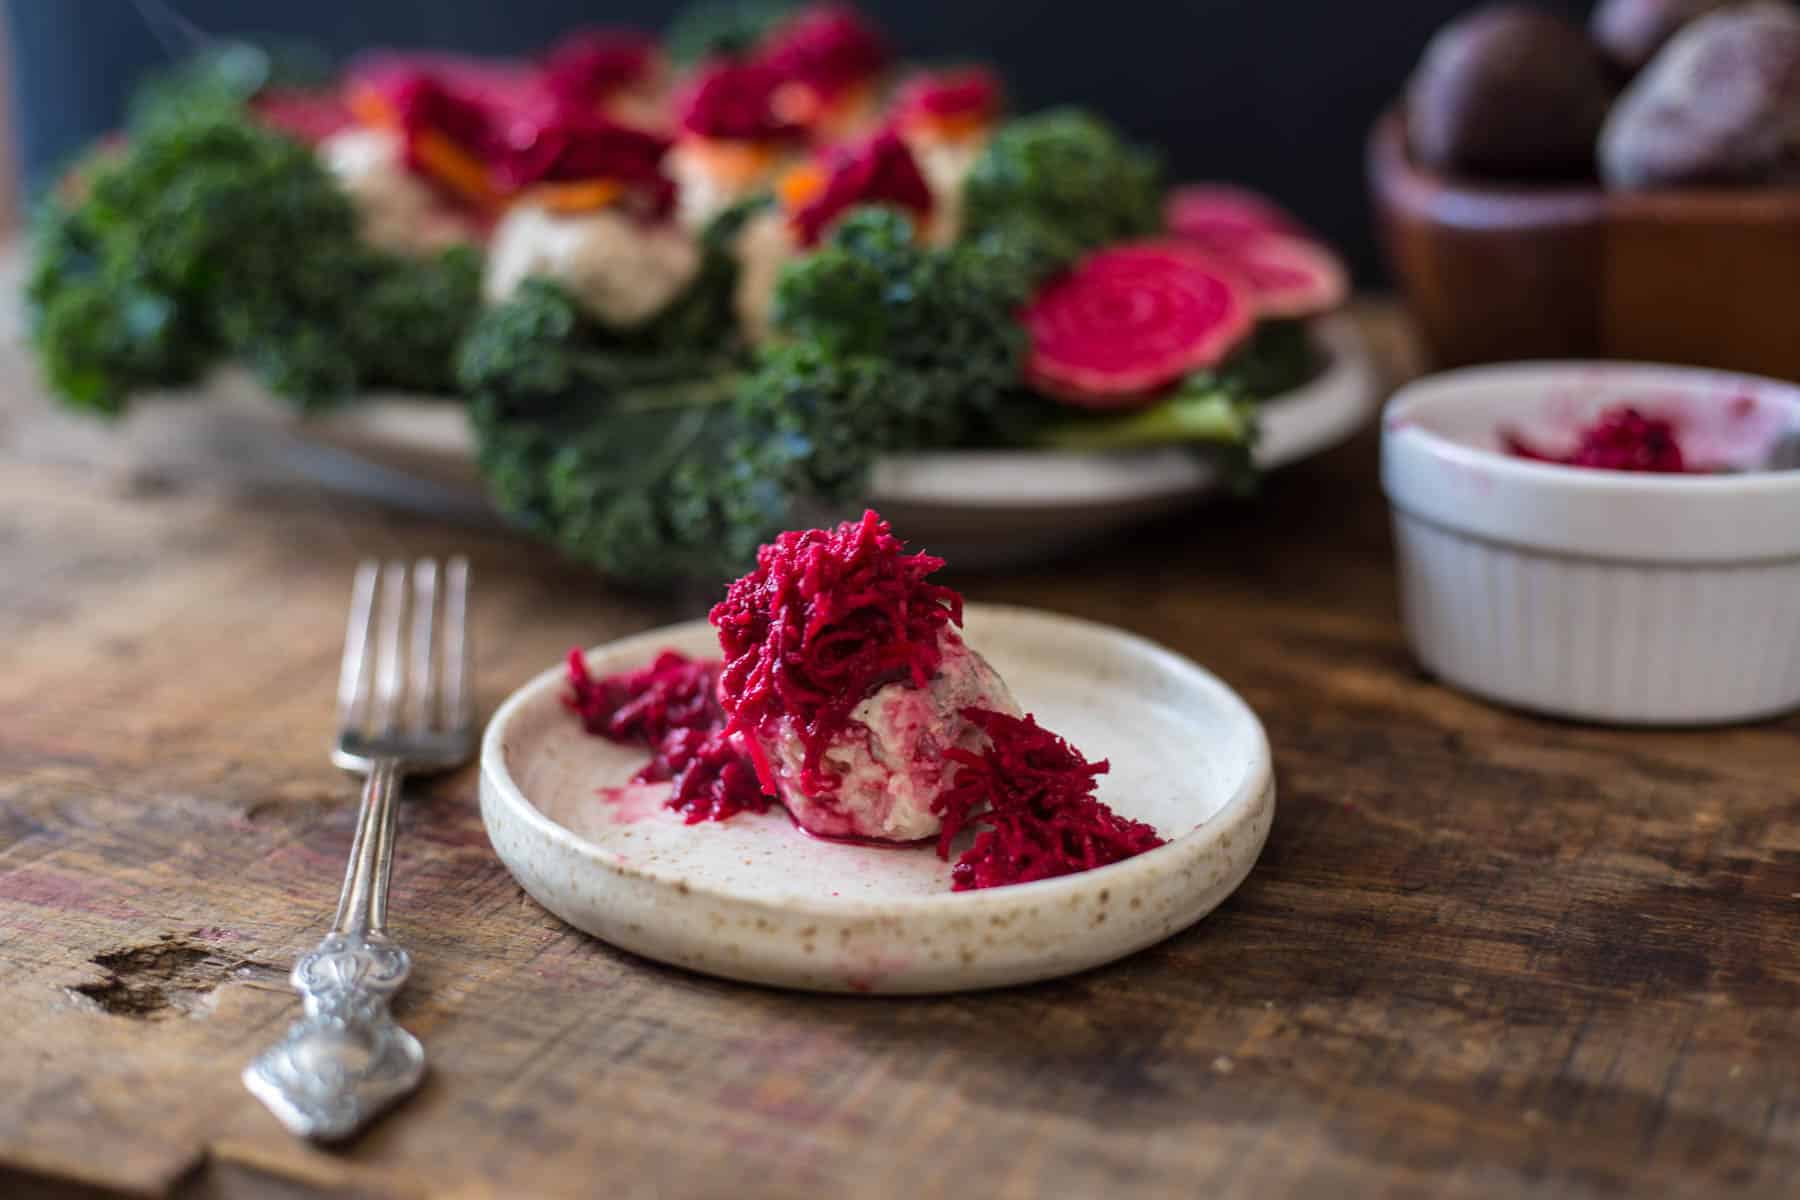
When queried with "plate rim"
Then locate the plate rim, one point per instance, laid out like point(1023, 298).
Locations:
point(1256, 789)
point(426, 436)
point(1350, 386)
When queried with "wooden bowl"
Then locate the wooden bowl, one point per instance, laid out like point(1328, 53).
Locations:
point(1493, 272)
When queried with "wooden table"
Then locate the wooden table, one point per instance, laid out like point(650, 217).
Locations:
point(1482, 953)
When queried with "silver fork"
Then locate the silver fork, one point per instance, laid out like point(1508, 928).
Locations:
point(346, 1060)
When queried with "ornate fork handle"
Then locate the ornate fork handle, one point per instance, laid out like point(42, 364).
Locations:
point(346, 1060)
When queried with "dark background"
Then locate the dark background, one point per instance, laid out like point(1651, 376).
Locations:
point(1274, 93)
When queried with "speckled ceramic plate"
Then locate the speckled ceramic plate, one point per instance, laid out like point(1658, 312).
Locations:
point(755, 899)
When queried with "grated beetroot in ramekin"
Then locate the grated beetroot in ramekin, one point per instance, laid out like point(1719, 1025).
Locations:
point(1621, 439)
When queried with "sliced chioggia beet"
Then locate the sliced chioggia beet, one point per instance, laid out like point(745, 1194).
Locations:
point(1223, 215)
point(1288, 277)
point(1287, 273)
point(1132, 319)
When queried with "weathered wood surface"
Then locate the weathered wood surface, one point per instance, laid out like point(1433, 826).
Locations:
point(1482, 954)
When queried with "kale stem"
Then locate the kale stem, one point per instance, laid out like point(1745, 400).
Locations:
point(704, 392)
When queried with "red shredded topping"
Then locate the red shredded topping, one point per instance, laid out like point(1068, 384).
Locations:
point(882, 171)
point(961, 93)
point(498, 84)
point(1035, 794)
point(424, 102)
point(587, 69)
point(565, 144)
point(735, 101)
point(1622, 439)
point(825, 619)
point(671, 706)
point(827, 47)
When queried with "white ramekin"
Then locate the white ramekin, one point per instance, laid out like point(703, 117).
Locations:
point(1600, 595)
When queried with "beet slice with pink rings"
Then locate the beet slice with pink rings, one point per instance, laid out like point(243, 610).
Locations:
point(1224, 215)
point(1288, 277)
point(1288, 272)
point(1132, 319)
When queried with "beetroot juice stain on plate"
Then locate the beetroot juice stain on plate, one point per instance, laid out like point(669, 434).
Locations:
point(635, 802)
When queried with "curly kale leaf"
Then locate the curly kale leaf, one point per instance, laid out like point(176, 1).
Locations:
point(941, 319)
point(654, 462)
point(98, 342)
point(628, 455)
point(411, 318)
point(815, 420)
point(212, 237)
point(1067, 182)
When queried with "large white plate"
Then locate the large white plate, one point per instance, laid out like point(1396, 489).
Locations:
point(986, 508)
point(755, 899)
point(977, 508)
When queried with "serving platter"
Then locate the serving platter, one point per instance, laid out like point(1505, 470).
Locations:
point(979, 508)
point(991, 508)
point(755, 899)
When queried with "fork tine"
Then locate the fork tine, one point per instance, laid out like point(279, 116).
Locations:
point(351, 673)
point(421, 695)
point(456, 642)
point(388, 679)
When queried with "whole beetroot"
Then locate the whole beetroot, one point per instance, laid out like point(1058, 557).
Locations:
point(1719, 105)
point(1508, 92)
point(1632, 31)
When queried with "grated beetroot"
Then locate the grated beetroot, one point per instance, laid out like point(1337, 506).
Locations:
point(672, 707)
point(501, 85)
point(1035, 794)
point(425, 102)
point(735, 102)
point(712, 776)
point(585, 70)
point(879, 172)
point(1622, 439)
point(563, 145)
point(829, 48)
point(970, 94)
point(825, 619)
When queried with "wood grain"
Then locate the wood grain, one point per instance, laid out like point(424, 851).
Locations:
point(1483, 954)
